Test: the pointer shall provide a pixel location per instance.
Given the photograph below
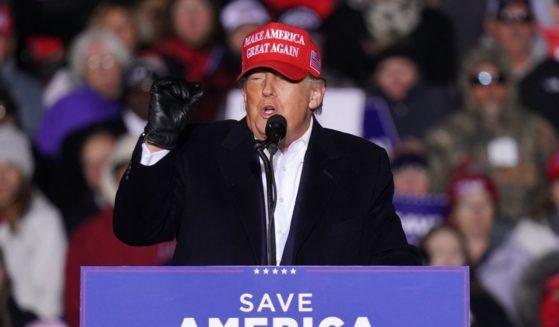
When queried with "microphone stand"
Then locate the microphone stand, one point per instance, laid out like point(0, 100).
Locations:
point(271, 201)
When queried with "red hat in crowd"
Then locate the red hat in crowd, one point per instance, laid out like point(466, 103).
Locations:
point(286, 49)
point(469, 183)
point(549, 307)
point(553, 167)
point(6, 21)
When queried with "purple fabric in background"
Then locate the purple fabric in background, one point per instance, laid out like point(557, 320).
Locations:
point(79, 109)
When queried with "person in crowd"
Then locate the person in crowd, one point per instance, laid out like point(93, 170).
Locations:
point(539, 89)
point(551, 208)
point(468, 19)
point(8, 109)
point(204, 185)
point(111, 17)
point(537, 296)
point(118, 19)
point(445, 245)
point(195, 52)
point(137, 80)
point(538, 232)
point(99, 57)
point(511, 28)
point(411, 175)
point(31, 231)
point(85, 153)
point(418, 208)
point(25, 90)
point(10, 313)
point(93, 243)
point(371, 26)
point(239, 18)
point(510, 143)
point(473, 210)
point(149, 16)
point(398, 89)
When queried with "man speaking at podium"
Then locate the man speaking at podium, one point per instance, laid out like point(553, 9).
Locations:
point(214, 187)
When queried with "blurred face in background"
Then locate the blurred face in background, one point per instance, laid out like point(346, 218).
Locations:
point(444, 248)
point(11, 183)
point(488, 89)
point(514, 29)
point(95, 153)
point(474, 214)
point(236, 38)
point(193, 21)
point(411, 180)
point(102, 71)
point(396, 76)
point(119, 21)
point(150, 18)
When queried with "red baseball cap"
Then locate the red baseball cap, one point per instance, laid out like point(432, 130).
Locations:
point(286, 49)
point(6, 21)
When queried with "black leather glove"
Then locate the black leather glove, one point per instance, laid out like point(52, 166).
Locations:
point(171, 103)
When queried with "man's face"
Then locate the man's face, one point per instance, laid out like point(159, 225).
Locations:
point(268, 93)
point(102, 71)
point(514, 29)
point(396, 76)
point(489, 89)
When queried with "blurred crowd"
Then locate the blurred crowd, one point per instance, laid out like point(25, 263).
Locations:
point(469, 88)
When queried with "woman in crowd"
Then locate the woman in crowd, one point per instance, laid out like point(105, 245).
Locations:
point(445, 245)
point(31, 231)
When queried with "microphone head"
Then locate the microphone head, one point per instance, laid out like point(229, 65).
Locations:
point(276, 128)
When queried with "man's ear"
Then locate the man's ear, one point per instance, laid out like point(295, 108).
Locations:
point(318, 89)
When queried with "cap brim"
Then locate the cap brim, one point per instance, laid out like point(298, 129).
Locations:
point(285, 69)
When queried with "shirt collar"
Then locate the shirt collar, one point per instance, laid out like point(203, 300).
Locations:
point(303, 141)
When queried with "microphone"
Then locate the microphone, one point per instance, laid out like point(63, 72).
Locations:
point(276, 128)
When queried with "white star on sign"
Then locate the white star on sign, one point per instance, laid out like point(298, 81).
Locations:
point(256, 271)
point(265, 271)
point(284, 271)
point(275, 271)
point(293, 271)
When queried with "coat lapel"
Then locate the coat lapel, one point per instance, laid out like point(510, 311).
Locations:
point(240, 167)
point(318, 181)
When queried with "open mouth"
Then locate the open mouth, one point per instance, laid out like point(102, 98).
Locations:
point(268, 111)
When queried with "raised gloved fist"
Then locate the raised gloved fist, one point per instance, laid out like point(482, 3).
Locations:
point(171, 103)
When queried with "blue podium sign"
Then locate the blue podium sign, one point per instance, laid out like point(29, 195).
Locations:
point(274, 296)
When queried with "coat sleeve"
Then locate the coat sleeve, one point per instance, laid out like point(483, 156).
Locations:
point(148, 201)
point(386, 240)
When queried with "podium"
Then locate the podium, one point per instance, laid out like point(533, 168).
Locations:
point(300, 296)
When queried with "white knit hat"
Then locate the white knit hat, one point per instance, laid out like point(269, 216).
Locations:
point(241, 12)
point(15, 149)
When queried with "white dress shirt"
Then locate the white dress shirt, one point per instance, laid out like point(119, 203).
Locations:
point(288, 167)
